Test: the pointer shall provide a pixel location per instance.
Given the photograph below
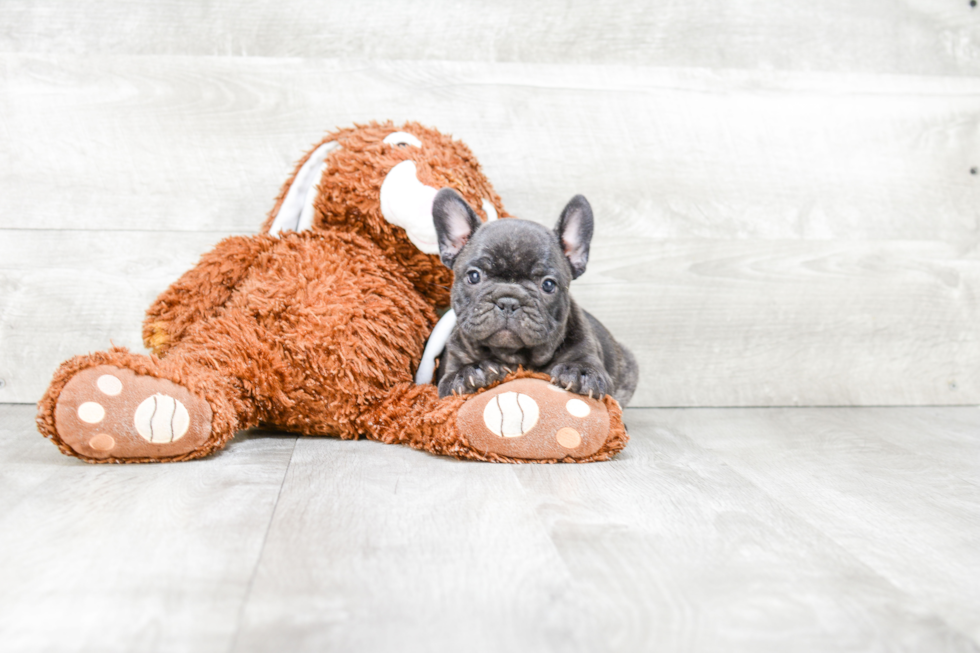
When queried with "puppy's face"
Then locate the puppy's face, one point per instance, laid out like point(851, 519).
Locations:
point(512, 277)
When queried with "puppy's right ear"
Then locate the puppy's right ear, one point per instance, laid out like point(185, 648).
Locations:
point(574, 231)
point(455, 222)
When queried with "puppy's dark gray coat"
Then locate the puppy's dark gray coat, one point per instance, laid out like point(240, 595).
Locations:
point(513, 307)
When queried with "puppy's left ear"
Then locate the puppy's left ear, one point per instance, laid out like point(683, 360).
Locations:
point(455, 222)
point(574, 231)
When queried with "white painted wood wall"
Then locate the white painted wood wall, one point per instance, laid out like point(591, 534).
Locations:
point(786, 213)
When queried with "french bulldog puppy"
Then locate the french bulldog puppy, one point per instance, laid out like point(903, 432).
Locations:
point(513, 307)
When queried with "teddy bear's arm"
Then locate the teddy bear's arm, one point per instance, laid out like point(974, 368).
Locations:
point(202, 290)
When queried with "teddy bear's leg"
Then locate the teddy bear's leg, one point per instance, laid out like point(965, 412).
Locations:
point(116, 406)
point(201, 291)
point(532, 420)
point(523, 419)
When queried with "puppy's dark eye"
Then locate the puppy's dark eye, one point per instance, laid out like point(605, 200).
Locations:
point(549, 286)
point(473, 277)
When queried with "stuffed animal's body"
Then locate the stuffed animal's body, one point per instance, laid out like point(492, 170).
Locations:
point(317, 327)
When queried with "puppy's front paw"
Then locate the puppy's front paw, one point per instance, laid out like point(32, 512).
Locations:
point(470, 378)
point(581, 379)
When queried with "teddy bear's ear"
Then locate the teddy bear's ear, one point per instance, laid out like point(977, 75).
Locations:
point(296, 211)
point(455, 223)
point(574, 231)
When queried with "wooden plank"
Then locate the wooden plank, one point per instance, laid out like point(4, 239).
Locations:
point(64, 293)
point(127, 558)
point(713, 323)
point(378, 547)
point(754, 530)
point(666, 548)
point(759, 323)
point(896, 488)
point(881, 36)
point(195, 143)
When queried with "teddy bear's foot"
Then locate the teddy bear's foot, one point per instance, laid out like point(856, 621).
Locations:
point(531, 419)
point(112, 413)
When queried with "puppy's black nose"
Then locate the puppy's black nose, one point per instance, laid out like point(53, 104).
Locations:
point(508, 304)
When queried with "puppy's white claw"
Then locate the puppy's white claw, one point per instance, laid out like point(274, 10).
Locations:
point(471, 381)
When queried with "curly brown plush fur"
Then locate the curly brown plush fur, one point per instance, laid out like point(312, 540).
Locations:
point(317, 332)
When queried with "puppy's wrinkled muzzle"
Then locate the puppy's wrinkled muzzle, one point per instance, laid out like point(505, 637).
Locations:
point(505, 339)
point(508, 305)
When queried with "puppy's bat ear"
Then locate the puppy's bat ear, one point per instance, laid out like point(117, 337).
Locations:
point(455, 222)
point(574, 231)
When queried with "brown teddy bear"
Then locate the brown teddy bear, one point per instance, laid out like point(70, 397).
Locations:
point(317, 325)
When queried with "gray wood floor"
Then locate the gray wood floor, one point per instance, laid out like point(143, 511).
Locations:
point(793, 529)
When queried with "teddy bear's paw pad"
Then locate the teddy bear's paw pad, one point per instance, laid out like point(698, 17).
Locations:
point(531, 419)
point(112, 412)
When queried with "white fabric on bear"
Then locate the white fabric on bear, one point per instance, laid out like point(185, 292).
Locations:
point(407, 203)
point(435, 346)
point(296, 211)
point(401, 138)
point(490, 210)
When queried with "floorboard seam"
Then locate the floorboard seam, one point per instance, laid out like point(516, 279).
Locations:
point(258, 558)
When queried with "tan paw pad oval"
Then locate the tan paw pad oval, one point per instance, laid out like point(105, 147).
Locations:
point(568, 437)
point(102, 442)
